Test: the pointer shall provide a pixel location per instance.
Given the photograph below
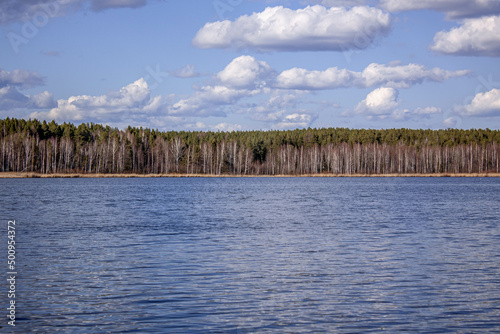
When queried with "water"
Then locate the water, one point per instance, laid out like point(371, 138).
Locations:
point(256, 255)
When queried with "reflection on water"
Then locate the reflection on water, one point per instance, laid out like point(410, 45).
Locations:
point(266, 255)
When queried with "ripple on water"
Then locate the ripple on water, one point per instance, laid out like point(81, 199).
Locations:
point(266, 255)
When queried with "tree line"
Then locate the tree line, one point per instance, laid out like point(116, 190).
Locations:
point(49, 147)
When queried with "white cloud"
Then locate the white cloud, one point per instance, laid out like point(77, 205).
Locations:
point(15, 80)
point(11, 98)
point(187, 71)
point(428, 111)
point(381, 101)
point(312, 28)
point(43, 100)
point(483, 104)
point(398, 76)
point(452, 122)
point(245, 72)
point(475, 37)
point(208, 100)
point(296, 120)
point(20, 78)
point(243, 77)
point(406, 75)
point(299, 78)
point(273, 109)
point(454, 9)
point(246, 77)
point(226, 127)
point(133, 99)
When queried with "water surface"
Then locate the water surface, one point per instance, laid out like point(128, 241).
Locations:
point(255, 255)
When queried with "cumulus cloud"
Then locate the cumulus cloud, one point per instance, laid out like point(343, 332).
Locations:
point(311, 28)
point(398, 76)
point(475, 37)
point(246, 77)
point(208, 100)
point(404, 76)
point(134, 98)
point(428, 111)
point(273, 109)
point(245, 72)
point(296, 120)
point(243, 77)
point(11, 98)
point(20, 78)
point(226, 127)
point(187, 71)
point(300, 78)
point(454, 9)
point(15, 80)
point(381, 101)
point(483, 104)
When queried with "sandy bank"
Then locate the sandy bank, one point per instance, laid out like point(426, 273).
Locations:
point(81, 175)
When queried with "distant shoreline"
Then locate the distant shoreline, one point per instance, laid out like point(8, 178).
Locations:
point(21, 175)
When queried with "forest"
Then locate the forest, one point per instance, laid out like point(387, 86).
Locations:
point(48, 147)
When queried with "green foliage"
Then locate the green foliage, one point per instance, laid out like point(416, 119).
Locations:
point(94, 147)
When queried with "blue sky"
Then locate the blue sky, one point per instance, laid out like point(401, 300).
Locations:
point(252, 64)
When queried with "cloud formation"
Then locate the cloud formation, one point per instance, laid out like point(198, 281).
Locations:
point(246, 77)
point(296, 120)
point(398, 76)
point(245, 72)
point(22, 79)
point(134, 98)
point(475, 37)
point(15, 80)
point(381, 101)
point(187, 71)
point(483, 104)
point(314, 28)
point(456, 9)
point(208, 100)
point(29, 10)
point(243, 77)
point(11, 98)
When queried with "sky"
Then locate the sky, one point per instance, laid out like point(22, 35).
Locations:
point(230, 65)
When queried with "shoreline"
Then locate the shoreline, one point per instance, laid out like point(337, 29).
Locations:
point(24, 175)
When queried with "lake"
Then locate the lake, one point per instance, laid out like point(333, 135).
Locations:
point(254, 255)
